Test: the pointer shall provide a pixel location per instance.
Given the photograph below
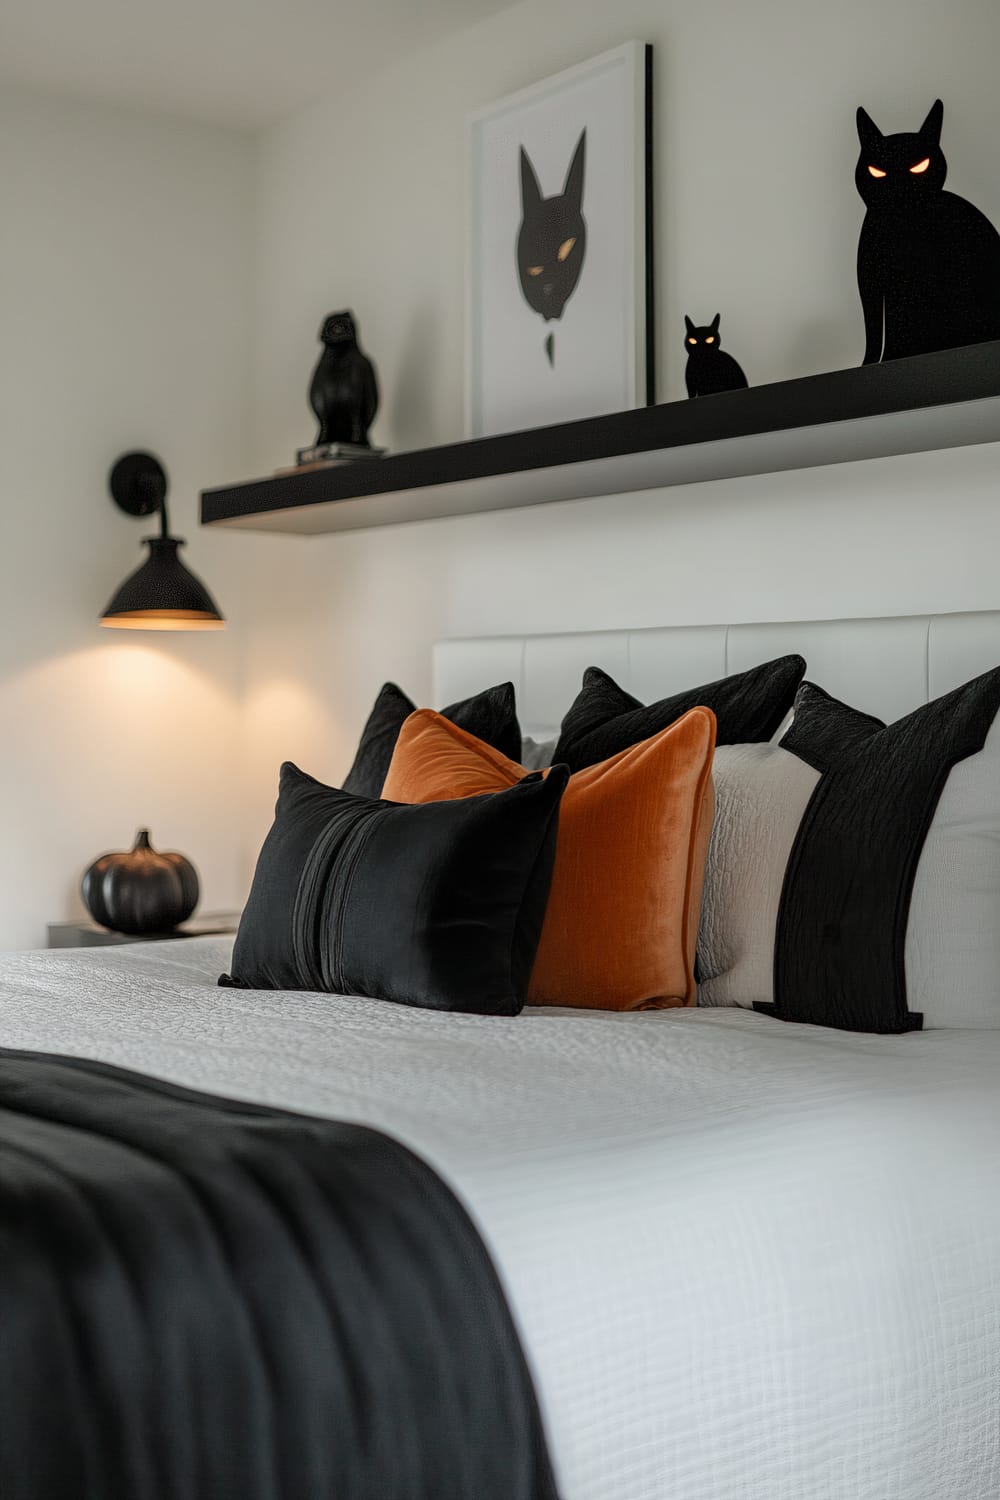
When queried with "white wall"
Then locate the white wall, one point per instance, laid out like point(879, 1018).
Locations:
point(124, 322)
point(362, 202)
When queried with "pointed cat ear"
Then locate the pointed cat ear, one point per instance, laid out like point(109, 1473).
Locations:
point(715, 322)
point(930, 130)
point(688, 324)
point(573, 187)
point(868, 132)
point(531, 193)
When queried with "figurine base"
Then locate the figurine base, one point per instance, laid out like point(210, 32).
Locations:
point(336, 452)
point(328, 456)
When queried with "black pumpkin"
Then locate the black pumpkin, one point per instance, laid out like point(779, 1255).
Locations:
point(141, 891)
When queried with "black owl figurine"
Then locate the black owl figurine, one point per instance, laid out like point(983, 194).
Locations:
point(344, 390)
point(709, 371)
point(928, 261)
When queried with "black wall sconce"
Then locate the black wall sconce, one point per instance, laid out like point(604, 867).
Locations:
point(162, 594)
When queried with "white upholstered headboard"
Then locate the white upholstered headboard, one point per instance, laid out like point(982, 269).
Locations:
point(885, 666)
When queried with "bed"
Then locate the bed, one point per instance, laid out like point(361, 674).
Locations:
point(746, 1258)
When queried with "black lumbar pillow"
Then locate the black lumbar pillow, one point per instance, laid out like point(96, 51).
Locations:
point(846, 906)
point(603, 719)
point(490, 716)
point(438, 904)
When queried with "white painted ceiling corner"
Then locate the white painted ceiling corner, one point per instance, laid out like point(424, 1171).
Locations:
point(239, 63)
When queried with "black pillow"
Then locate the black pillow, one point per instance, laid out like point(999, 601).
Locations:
point(604, 719)
point(841, 940)
point(438, 904)
point(490, 716)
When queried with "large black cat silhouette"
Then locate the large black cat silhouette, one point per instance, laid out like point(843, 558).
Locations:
point(552, 238)
point(928, 261)
point(709, 370)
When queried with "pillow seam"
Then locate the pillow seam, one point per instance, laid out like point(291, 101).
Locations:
point(553, 813)
point(689, 957)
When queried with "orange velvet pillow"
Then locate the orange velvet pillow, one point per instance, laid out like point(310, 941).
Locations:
point(622, 919)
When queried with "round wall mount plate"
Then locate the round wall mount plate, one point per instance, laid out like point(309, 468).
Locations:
point(138, 484)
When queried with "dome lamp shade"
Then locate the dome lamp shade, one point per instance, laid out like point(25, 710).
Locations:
point(162, 594)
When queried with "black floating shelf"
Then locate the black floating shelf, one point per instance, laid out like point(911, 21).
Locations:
point(930, 401)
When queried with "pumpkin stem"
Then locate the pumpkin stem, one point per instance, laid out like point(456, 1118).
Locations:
point(142, 840)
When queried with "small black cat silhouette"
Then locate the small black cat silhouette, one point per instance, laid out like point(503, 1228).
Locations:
point(552, 239)
point(344, 390)
point(709, 371)
point(928, 261)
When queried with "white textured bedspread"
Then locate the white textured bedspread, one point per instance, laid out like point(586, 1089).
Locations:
point(750, 1260)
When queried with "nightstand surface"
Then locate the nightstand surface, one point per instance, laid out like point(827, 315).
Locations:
point(86, 934)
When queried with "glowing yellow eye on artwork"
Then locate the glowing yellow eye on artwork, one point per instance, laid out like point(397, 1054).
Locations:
point(710, 339)
point(876, 171)
point(692, 341)
point(535, 270)
point(565, 248)
point(921, 165)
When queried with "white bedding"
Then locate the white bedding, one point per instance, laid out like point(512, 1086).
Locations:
point(750, 1260)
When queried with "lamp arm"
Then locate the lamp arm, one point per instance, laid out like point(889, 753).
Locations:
point(154, 489)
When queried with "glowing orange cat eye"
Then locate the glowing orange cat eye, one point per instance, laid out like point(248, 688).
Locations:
point(710, 339)
point(876, 171)
point(692, 341)
point(565, 248)
point(535, 270)
point(921, 165)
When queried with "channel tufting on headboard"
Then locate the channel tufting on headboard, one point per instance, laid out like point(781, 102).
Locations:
point(885, 666)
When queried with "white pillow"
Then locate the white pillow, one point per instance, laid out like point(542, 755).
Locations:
point(536, 755)
point(953, 935)
point(761, 793)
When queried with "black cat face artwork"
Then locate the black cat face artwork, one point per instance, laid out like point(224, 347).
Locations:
point(928, 261)
point(552, 238)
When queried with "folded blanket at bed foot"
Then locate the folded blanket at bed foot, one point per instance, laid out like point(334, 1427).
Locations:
point(208, 1300)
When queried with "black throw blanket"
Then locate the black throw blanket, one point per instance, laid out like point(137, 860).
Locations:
point(207, 1300)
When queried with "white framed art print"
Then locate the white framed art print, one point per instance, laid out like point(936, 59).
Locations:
point(559, 277)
